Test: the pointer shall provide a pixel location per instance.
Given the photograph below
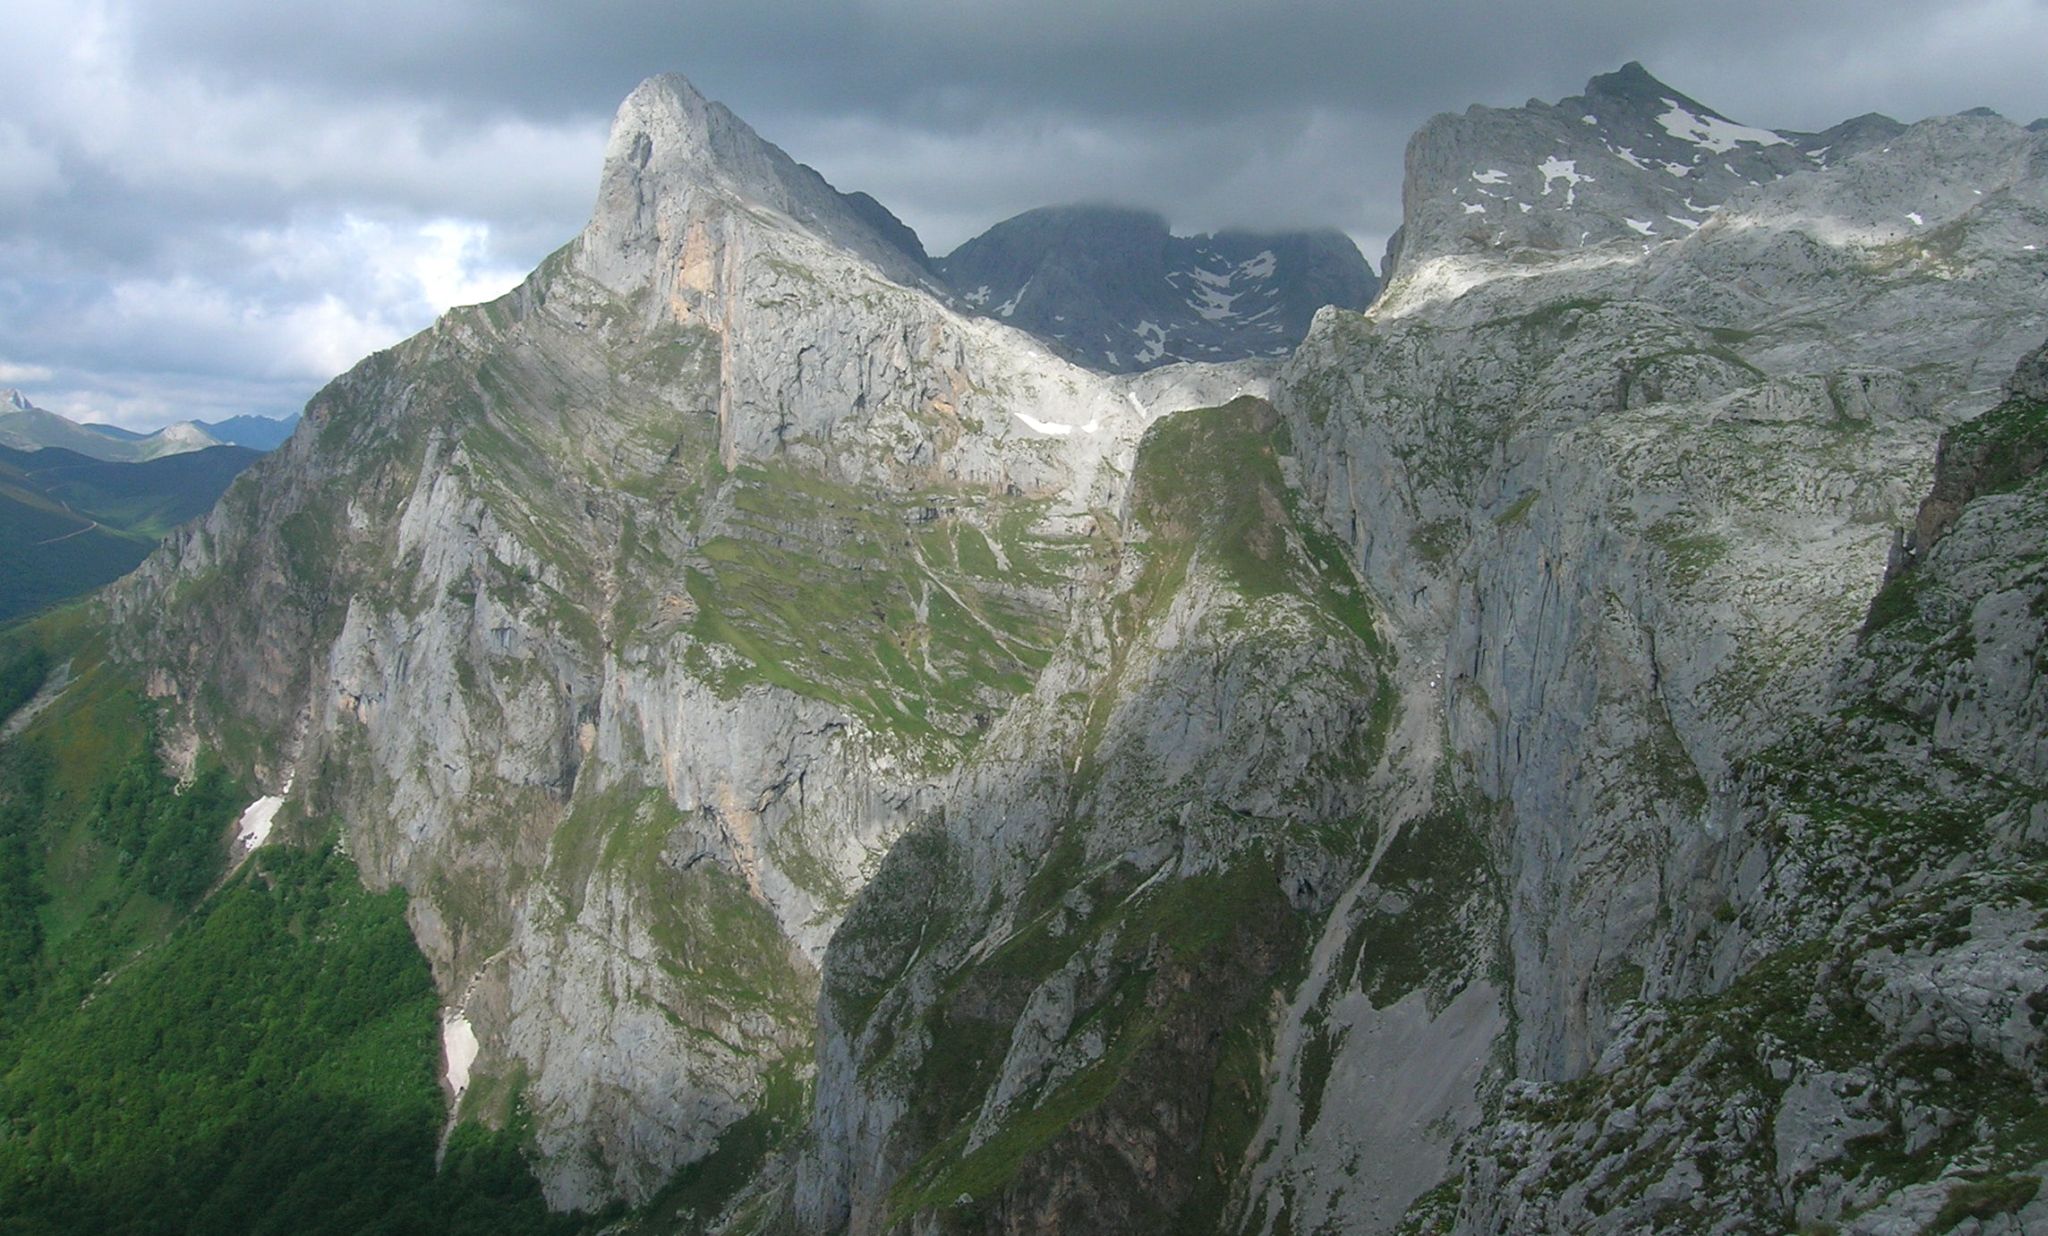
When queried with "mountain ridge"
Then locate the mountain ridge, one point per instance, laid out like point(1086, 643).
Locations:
point(28, 427)
point(1114, 289)
point(828, 742)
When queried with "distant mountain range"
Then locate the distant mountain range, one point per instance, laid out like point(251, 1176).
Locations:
point(26, 427)
point(80, 505)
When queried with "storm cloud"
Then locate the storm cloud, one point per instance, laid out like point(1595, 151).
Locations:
point(212, 206)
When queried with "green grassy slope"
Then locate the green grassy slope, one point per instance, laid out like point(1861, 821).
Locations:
point(179, 1054)
point(69, 523)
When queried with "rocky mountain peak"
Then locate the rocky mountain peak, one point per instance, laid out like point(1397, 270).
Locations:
point(17, 400)
point(1631, 160)
point(1632, 82)
point(1632, 167)
point(676, 158)
point(795, 710)
point(1112, 288)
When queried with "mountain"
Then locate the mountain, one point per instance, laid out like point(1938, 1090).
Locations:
point(23, 426)
point(1115, 291)
point(261, 433)
point(841, 767)
point(74, 523)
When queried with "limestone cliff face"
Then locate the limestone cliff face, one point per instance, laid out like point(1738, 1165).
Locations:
point(627, 620)
point(1629, 534)
point(1465, 785)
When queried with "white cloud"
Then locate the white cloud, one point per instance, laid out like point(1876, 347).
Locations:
point(13, 374)
point(311, 298)
point(28, 170)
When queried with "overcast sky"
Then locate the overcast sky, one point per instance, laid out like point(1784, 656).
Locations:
point(213, 206)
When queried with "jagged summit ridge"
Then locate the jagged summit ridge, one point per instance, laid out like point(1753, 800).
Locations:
point(1108, 289)
point(670, 147)
point(1631, 159)
point(1636, 175)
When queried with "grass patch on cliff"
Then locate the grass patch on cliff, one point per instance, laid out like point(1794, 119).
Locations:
point(1207, 483)
point(723, 946)
point(815, 585)
point(1984, 1199)
point(1432, 885)
point(1201, 951)
point(1689, 551)
point(2011, 440)
point(1207, 489)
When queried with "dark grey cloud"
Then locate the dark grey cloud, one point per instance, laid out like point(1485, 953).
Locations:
point(208, 206)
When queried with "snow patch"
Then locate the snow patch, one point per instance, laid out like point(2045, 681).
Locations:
point(1589, 120)
point(978, 297)
point(1642, 225)
point(1688, 224)
point(1554, 168)
point(1914, 215)
point(1009, 306)
point(1711, 132)
point(1154, 338)
point(1474, 208)
point(1212, 304)
point(1491, 176)
point(1258, 267)
point(1447, 278)
point(458, 1044)
point(1524, 207)
point(1628, 156)
point(253, 829)
point(1567, 170)
point(1055, 429)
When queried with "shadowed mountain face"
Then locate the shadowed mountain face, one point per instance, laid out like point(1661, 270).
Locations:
point(1115, 291)
point(849, 770)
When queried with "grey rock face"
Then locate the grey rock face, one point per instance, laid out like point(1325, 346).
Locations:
point(1631, 160)
point(500, 610)
point(1607, 496)
point(1113, 290)
point(1476, 791)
